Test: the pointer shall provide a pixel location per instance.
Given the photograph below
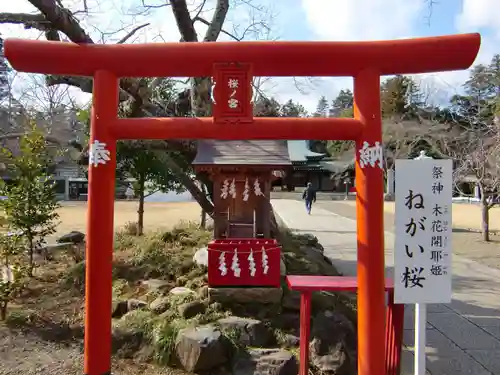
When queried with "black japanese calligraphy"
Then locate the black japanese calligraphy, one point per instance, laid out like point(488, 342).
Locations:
point(439, 226)
point(409, 253)
point(437, 187)
point(414, 200)
point(438, 270)
point(413, 277)
point(437, 172)
point(437, 210)
point(437, 241)
point(411, 227)
point(436, 255)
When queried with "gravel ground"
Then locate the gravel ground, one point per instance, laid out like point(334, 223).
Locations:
point(23, 353)
point(30, 354)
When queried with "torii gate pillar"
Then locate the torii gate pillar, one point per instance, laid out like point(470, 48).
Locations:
point(370, 226)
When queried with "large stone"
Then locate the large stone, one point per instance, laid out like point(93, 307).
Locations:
point(126, 341)
point(291, 300)
point(266, 362)
point(245, 295)
point(73, 237)
point(309, 239)
point(290, 341)
point(160, 305)
point(333, 344)
point(157, 285)
point(181, 291)
point(201, 348)
point(317, 262)
point(201, 257)
point(189, 310)
point(249, 332)
point(122, 307)
point(203, 292)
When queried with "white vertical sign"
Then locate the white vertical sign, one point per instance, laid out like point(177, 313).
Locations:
point(423, 226)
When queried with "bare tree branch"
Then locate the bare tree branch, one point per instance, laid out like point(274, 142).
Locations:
point(131, 33)
point(218, 19)
point(29, 21)
point(183, 20)
point(62, 19)
point(145, 5)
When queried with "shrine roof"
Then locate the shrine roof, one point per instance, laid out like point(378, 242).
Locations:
point(299, 151)
point(246, 152)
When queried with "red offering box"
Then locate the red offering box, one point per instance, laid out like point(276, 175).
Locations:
point(244, 262)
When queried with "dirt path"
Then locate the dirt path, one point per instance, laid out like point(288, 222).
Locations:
point(22, 353)
point(29, 354)
point(465, 243)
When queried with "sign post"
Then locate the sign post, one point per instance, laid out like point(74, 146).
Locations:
point(422, 251)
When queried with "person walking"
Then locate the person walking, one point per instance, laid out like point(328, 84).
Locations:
point(309, 196)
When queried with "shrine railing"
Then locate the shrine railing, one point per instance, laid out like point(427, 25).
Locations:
point(394, 323)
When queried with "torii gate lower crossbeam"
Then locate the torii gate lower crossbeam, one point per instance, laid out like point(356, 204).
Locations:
point(365, 61)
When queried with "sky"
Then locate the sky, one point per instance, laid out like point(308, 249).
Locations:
point(334, 20)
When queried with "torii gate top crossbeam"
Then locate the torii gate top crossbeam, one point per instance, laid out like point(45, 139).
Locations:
point(405, 56)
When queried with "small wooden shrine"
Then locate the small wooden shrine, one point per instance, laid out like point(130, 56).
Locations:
point(242, 172)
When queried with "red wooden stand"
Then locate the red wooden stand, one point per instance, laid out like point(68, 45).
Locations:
point(394, 322)
point(265, 255)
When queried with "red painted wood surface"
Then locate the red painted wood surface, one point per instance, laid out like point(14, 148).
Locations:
point(313, 283)
point(369, 182)
point(232, 93)
point(394, 324)
point(243, 248)
point(260, 128)
point(394, 316)
point(283, 59)
point(100, 231)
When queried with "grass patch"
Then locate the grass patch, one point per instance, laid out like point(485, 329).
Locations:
point(168, 255)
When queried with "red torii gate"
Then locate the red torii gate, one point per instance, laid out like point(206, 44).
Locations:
point(365, 61)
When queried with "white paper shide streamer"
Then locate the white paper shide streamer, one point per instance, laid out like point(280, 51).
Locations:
point(256, 188)
point(235, 265)
point(232, 189)
point(251, 264)
point(224, 191)
point(265, 264)
point(246, 192)
point(235, 262)
point(222, 264)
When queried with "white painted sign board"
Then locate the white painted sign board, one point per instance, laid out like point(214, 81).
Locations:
point(423, 228)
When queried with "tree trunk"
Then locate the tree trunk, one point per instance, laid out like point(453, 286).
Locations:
point(203, 221)
point(31, 265)
point(3, 311)
point(191, 186)
point(140, 210)
point(485, 219)
point(485, 213)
